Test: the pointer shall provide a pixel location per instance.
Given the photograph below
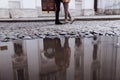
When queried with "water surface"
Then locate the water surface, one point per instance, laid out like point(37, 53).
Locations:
point(96, 58)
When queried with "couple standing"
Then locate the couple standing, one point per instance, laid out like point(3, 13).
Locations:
point(67, 14)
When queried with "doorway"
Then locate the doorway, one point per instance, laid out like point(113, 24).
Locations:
point(48, 5)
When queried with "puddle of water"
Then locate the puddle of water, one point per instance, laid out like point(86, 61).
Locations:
point(61, 59)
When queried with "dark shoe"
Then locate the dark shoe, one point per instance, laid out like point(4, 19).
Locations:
point(58, 23)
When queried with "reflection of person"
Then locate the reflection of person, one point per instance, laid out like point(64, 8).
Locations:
point(78, 51)
point(95, 48)
point(57, 3)
point(19, 58)
point(59, 53)
point(53, 70)
point(67, 52)
point(79, 59)
point(49, 47)
point(18, 49)
point(96, 63)
point(62, 55)
point(67, 14)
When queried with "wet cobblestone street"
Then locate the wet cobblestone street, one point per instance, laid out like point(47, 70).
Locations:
point(32, 30)
point(84, 50)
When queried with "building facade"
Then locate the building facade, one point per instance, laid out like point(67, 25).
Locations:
point(38, 8)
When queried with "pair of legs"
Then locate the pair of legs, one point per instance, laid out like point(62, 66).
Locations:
point(67, 14)
point(57, 3)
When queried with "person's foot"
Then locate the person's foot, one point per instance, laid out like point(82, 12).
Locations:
point(71, 19)
point(66, 21)
point(58, 23)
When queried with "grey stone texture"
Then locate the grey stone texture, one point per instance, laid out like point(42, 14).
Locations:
point(32, 30)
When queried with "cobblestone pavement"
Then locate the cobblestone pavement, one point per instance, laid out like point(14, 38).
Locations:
point(32, 30)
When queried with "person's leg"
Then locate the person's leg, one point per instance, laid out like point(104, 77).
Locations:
point(65, 4)
point(69, 15)
point(57, 2)
point(65, 9)
point(70, 18)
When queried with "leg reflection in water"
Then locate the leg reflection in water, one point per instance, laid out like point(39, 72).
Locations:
point(54, 66)
point(62, 54)
point(79, 59)
point(95, 63)
point(62, 57)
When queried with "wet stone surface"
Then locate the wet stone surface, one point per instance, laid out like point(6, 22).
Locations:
point(33, 30)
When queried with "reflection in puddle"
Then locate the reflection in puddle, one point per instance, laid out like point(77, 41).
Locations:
point(94, 58)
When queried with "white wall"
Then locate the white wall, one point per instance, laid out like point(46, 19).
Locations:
point(101, 4)
point(3, 3)
point(109, 4)
point(38, 3)
point(87, 4)
point(29, 4)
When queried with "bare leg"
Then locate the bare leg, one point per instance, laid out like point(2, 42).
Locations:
point(65, 4)
point(69, 15)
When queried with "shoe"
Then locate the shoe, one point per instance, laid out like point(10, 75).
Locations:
point(66, 21)
point(58, 23)
point(71, 19)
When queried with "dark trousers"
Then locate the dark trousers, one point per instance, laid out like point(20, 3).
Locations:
point(57, 3)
